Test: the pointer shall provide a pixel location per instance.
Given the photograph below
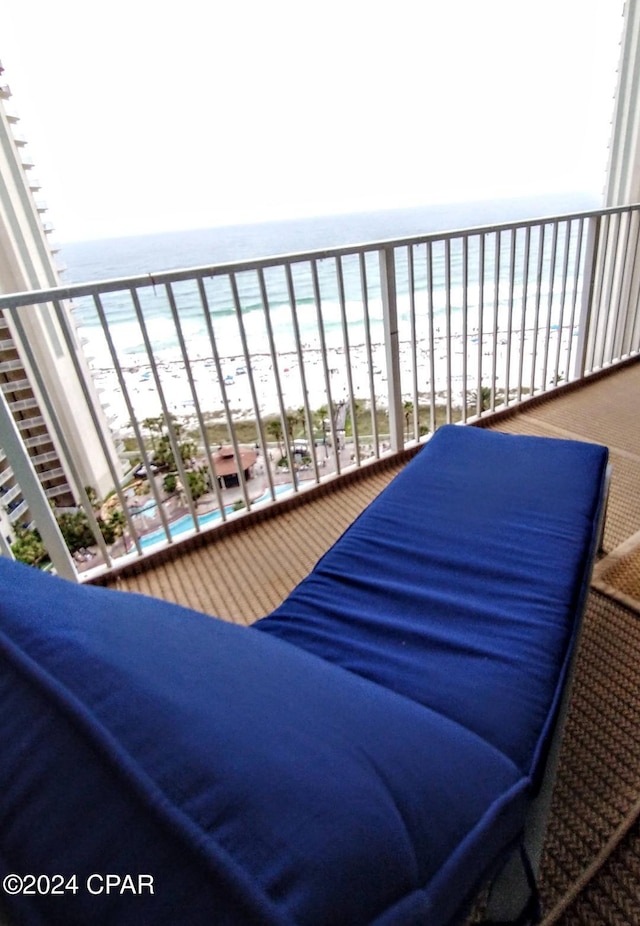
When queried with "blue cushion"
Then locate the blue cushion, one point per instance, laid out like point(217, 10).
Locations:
point(371, 773)
point(459, 587)
point(255, 782)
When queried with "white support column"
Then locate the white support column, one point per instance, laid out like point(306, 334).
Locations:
point(392, 346)
point(34, 495)
point(592, 239)
point(623, 174)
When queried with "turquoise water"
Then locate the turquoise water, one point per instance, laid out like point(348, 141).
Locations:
point(186, 522)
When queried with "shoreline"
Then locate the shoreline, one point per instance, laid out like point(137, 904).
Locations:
point(295, 381)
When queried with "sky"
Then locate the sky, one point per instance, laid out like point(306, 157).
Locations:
point(149, 116)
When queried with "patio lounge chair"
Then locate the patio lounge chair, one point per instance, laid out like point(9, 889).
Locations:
point(371, 752)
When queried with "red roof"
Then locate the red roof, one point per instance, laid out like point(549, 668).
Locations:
point(225, 463)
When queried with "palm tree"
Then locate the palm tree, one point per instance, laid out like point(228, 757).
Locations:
point(154, 426)
point(408, 411)
point(321, 420)
point(485, 398)
point(274, 430)
point(293, 421)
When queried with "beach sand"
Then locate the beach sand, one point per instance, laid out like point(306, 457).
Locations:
point(253, 388)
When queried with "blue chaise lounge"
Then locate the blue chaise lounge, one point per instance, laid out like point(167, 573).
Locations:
point(372, 752)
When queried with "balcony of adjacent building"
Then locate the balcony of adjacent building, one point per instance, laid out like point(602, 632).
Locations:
point(16, 385)
point(331, 369)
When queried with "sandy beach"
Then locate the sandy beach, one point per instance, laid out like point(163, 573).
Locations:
point(250, 388)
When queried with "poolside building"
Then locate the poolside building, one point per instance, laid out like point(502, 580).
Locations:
point(226, 466)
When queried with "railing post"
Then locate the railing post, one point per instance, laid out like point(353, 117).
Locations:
point(586, 302)
point(392, 346)
point(34, 494)
point(628, 293)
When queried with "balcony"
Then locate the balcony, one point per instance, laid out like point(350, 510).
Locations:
point(15, 385)
point(17, 511)
point(342, 363)
point(249, 567)
point(324, 363)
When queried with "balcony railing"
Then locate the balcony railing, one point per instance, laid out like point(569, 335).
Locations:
point(307, 365)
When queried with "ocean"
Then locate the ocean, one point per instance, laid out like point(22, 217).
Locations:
point(88, 261)
point(336, 330)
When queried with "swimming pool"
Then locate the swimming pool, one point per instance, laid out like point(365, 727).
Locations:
point(185, 523)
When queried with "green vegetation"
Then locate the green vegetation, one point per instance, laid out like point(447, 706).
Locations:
point(198, 482)
point(28, 548)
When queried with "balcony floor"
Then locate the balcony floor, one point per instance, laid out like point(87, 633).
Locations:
point(591, 867)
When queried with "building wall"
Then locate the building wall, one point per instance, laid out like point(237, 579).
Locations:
point(37, 376)
point(623, 173)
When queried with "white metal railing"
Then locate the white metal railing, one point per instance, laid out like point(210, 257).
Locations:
point(322, 360)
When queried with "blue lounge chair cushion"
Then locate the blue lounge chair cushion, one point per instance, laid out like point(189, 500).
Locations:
point(462, 585)
point(253, 781)
point(371, 767)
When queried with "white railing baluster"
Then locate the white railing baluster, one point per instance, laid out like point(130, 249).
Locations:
point(622, 289)
point(587, 322)
point(612, 264)
point(415, 390)
point(286, 438)
point(237, 452)
point(26, 476)
point(331, 410)
point(512, 278)
point(213, 480)
point(550, 297)
point(481, 269)
point(303, 378)
point(135, 298)
point(133, 533)
point(447, 310)
point(632, 312)
point(578, 276)
point(392, 346)
point(536, 317)
point(496, 321)
point(598, 330)
point(432, 348)
point(465, 327)
point(568, 234)
point(523, 315)
point(347, 357)
point(364, 293)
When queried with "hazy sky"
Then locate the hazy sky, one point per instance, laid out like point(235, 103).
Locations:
point(151, 116)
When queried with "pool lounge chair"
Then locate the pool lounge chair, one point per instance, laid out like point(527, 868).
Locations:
point(373, 751)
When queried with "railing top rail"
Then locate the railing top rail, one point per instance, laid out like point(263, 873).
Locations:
point(162, 277)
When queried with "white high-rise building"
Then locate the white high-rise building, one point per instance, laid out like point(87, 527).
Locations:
point(36, 372)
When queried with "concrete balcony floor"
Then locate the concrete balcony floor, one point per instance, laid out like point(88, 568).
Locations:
point(591, 866)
